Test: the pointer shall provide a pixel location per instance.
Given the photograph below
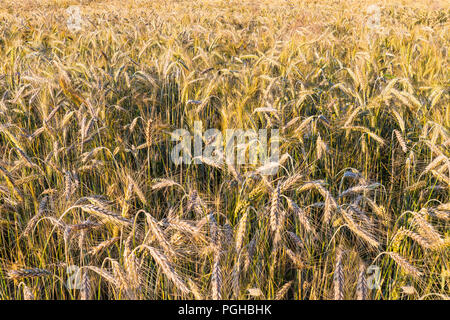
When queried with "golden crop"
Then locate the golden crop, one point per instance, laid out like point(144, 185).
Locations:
point(359, 208)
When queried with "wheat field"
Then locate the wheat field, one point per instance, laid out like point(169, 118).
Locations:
point(93, 207)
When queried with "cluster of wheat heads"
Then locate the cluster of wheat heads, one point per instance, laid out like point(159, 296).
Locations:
point(92, 206)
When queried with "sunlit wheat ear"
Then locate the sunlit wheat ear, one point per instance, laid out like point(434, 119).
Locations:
point(274, 209)
point(364, 220)
point(338, 276)
point(83, 226)
point(276, 240)
point(357, 230)
point(433, 164)
point(354, 174)
point(444, 206)
point(27, 159)
point(441, 177)
point(122, 280)
point(241, 207)
point(104, 214)
point(330, 202)
point(55, 222)
point(426, 230)
point(214, 230)
point(164, 183)
point(186, 227)
point(361, 286)
point(227, 236)
point(404, 264)
point(86, 288)
point(321, 147)
point(297, 241)
point(4, 222)
point(441, 212)
point(234, 172)
point(241, 231)
point(443, 215)
point(295, 258)
point(251, 249)
point(11, 183)
point(236, 275)
point(43, 205)
point(28, 273)
point(103, 245)
point(149, 132)
point(291, 181)
point(274, 260)
point(67, 237)
point(167, 268)
point(369, 133)
point(283, 290)
point(132, 265)
point(111, 279)
point(195, 203)
point(70, 184)
point(401, 141)
point(83, 131)
point(301, 215)
point(137, 190)
point(416, 186)
point(30, 225)
point(266, 184)
point(358, 189)
point(195, 290)
point(216, 277)
point(91, 154)
point(210, 162)
point(327, 210)
point(402, 232)
point(28, 293)
point(159, 234)
point(128, 193)
point(201, 223)
point(380, 211)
